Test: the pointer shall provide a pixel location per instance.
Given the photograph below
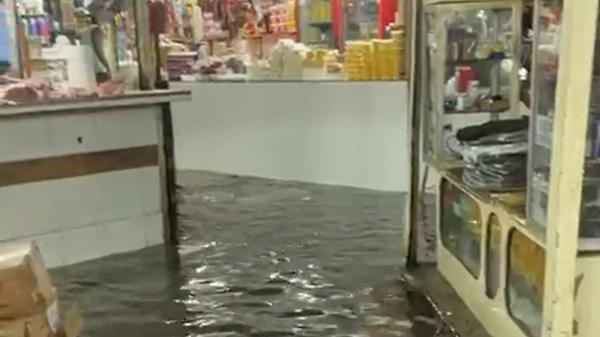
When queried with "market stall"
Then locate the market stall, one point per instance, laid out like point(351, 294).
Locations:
point(334, 80)
point(86, 165)
point(517, 190)
point(282, 40)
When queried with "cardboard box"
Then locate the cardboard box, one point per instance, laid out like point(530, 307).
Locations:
point(25, 286)
point(45, 323)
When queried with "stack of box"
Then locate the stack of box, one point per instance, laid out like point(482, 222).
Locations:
point(358, 61)
point(180, 63)
point(385, 55)
point(279, 18)
point(28, 300)
point(290, 16)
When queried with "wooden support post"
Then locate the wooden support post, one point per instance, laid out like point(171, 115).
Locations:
point(413, 209)
point(144, 44)
point(570, 125)
point(167, 176)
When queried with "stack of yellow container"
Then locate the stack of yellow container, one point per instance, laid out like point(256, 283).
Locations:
point(359, 61)
point(376, 59)
point(290, 16)
point(385, 55)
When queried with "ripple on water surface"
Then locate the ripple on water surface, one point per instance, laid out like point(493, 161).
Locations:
point(259, 258)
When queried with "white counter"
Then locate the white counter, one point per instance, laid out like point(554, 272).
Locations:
point(84, 178)
point(342, 133)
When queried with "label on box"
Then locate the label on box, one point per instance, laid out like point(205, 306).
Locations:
point(53, 317)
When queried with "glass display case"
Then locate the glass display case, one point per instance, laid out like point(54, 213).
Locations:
point(533, 274)
point(589, 227)
point(472, 69)
point(546, 68)
point(545, 73)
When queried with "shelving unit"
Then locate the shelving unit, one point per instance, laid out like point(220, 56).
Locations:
point(469, 75)
point(525, 260)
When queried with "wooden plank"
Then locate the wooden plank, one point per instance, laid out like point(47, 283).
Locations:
point(570, 126)
point(75, 165)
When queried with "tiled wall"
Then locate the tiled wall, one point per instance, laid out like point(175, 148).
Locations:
point(80, 218)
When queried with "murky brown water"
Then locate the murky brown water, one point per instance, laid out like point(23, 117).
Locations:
point(260, 258)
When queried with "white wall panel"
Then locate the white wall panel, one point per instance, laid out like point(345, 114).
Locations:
point(55, 205)
point(352, 134)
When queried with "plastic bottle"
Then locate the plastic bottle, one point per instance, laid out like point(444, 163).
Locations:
point(42, 26)
point(33, 29)
point(25, 25)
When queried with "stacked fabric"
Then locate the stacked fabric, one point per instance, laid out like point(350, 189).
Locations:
point(180, 63)
point(495, 154)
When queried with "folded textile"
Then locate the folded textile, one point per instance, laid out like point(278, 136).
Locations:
point(476, 132)
point(497, 173)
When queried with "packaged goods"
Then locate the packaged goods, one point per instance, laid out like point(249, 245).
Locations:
point(25, 286)
point(28, 300)
point(43, 324)
point(46, 323)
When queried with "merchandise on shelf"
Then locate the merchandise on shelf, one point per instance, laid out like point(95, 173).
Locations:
point(358, 62)
point(377, 59)
point(286, 59)
point(320, 12)
point(5, 40)
point(496, 155)
point(263, 35)
point(212, 30)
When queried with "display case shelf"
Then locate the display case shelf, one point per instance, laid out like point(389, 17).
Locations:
point(474, 61)
point(510, 203)
point(554, 246)
point(469, 69)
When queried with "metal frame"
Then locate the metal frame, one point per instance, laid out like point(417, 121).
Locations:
point(534, 109)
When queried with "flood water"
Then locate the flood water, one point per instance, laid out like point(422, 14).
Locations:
point(259, 258)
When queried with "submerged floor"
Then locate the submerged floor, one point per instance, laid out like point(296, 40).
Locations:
point(260, 258)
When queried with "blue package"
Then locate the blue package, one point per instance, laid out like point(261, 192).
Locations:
point(5, 41)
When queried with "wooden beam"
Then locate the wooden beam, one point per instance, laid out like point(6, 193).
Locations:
point(413, 210)
point(76, 165)
point(144, 45)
